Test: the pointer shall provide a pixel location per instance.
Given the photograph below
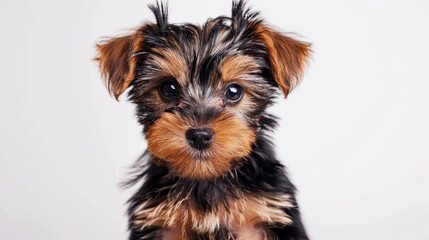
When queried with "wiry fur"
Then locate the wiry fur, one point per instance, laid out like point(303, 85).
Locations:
point(236, 188)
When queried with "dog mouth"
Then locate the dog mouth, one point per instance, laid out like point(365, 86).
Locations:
point(201, 155)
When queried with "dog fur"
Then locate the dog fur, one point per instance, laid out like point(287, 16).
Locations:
point(218, 78)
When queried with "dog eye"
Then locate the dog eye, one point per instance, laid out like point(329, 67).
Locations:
point(233, 92)
point(169, 89)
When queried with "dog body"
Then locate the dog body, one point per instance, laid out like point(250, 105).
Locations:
point(201, 94)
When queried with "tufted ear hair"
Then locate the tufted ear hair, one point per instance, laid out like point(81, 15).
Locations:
point(287, 57)
point(117, 60)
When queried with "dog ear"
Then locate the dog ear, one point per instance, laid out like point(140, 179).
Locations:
point(117, 60)
point(287, 57)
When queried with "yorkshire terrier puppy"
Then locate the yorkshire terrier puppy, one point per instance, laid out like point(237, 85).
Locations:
point(201, 94)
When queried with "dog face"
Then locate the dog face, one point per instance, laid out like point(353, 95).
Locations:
point(201, 91)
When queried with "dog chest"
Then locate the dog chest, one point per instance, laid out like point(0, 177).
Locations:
point(240, 217)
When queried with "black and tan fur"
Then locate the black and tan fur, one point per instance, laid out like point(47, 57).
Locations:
point(235, 188)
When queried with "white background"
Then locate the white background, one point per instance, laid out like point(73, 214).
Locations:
point(354, 134)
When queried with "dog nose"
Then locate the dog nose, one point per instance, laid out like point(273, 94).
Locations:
point(199, 138)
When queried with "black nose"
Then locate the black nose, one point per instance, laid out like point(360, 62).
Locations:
point(199, 137)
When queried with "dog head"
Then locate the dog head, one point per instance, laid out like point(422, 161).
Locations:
point(201, 91)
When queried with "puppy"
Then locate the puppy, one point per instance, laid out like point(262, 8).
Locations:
point(201, 94)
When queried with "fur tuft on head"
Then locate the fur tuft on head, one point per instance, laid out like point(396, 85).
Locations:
point(241, 15)
point(160, 11)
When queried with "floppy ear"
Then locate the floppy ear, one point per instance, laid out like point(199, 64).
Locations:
point(287, 57)
point(117, 60)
